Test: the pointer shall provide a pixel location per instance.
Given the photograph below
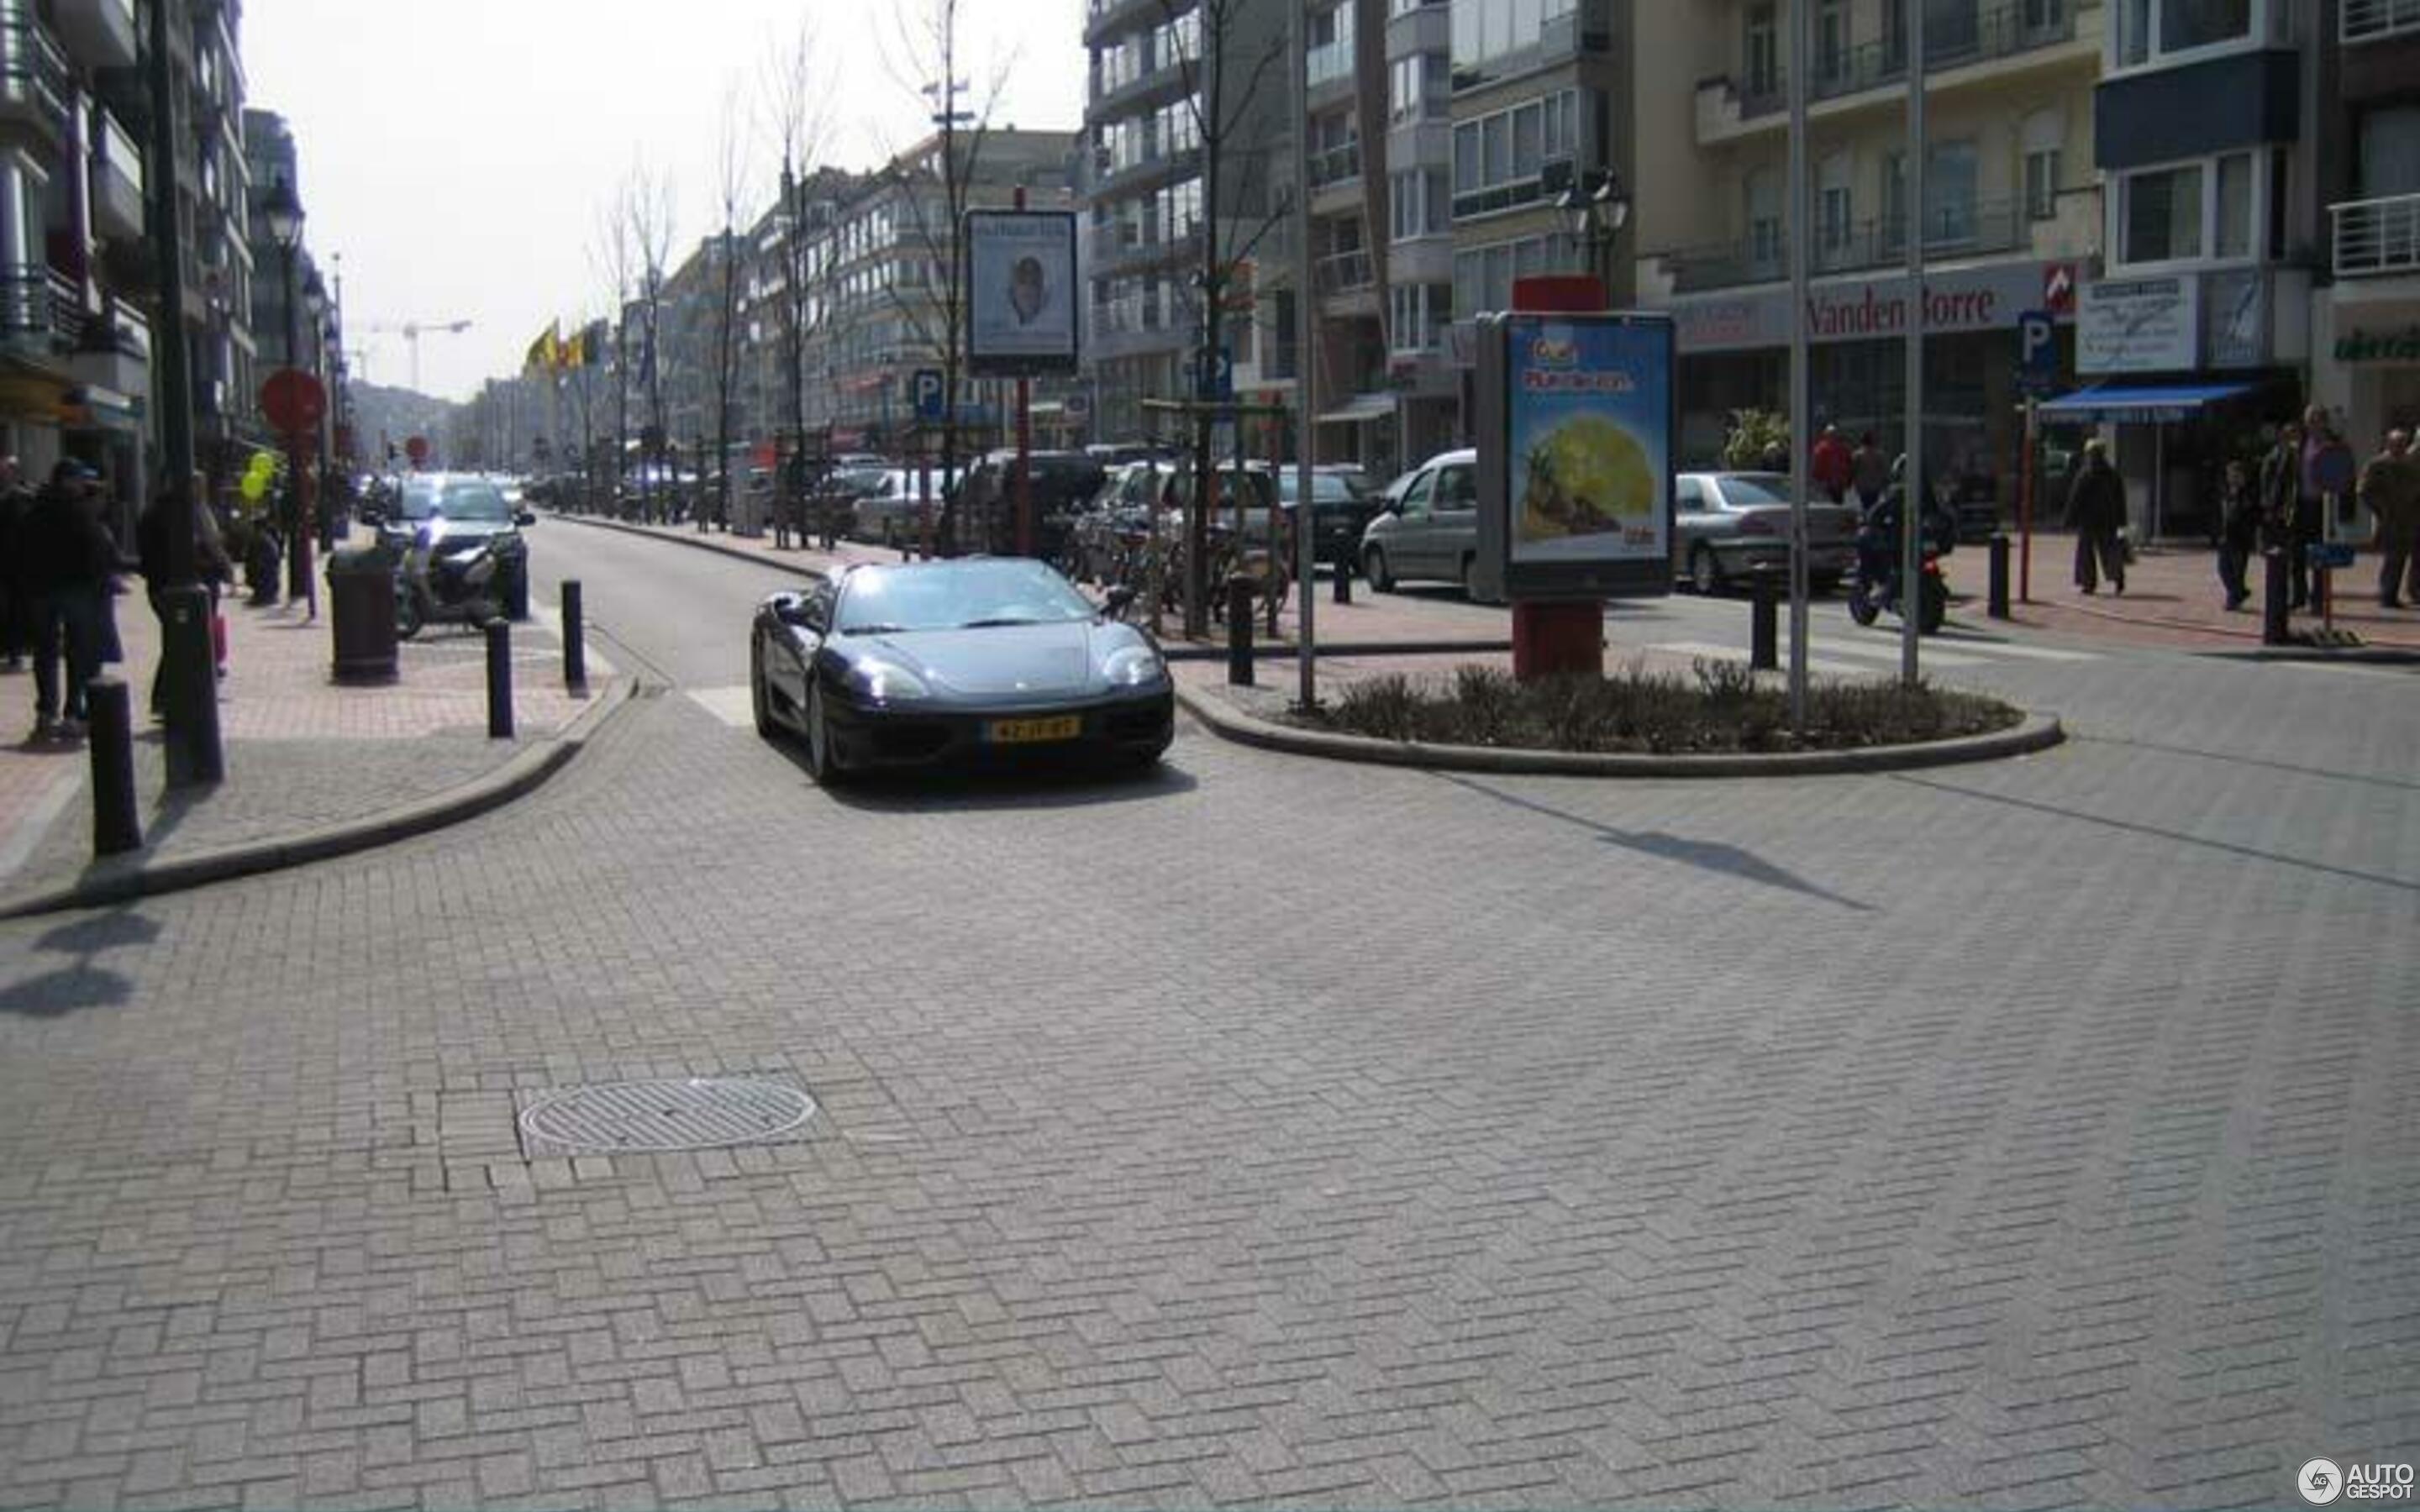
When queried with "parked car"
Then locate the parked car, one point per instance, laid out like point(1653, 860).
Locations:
point(1731, 526)
point(1427, 526)
point(979, 660)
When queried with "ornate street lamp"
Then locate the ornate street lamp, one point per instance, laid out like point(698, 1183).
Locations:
point(283, 213)
point(1597, 209)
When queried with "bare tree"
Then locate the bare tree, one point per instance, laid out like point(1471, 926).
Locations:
point(647, 206)
point(926, 55)
point(731, 188)
point(610, 251)
point(1226, 61)
point(797, 105)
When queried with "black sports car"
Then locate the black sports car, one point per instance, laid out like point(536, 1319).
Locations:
point(974, 660)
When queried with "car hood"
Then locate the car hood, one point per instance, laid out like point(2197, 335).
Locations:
point(1009, 661)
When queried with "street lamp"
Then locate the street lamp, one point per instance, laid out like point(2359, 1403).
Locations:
point(315, 304)
point(1597, 208)
point(282, 212)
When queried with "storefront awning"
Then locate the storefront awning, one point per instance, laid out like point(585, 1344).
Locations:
point(2113, 403)
point(1361, 408)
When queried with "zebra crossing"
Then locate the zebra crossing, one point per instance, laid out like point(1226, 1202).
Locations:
point(1852, 652)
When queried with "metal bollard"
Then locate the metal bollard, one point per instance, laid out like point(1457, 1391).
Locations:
point(575, 639)
point(1763, 630)
point(190, 689)
point(1341, 576)
point(500, 680)
point(2275, 587)
point(117, 824)
point(1998, 607)
point(1239, 632)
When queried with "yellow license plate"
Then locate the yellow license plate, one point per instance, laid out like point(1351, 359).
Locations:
point(1028, 732)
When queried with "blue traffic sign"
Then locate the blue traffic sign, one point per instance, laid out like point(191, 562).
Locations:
point(2036, 352)
point(927, 386)
point(2334, 555)
point(1217, 380)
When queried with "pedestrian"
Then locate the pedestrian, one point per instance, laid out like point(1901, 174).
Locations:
point(1870, 472)
point(2326, 471)
point(1777, 456)
point(2281, 494)
point(2096, 510)
point(1831, 467)
point(2390, 490)
point(68, 562)
point(16, 622)
point(2239, 533)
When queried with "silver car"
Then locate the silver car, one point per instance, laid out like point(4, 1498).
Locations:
point(1732, 525)
point(1427, 526)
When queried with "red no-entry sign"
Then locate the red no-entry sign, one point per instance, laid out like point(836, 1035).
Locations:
point(293, 400)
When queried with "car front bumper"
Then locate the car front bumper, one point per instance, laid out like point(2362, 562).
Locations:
point(901, 735)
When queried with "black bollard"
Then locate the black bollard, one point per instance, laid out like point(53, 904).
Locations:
point(116, 825)
point(1763, 630)
point(1998, 607)
point(189, 687)
point(2275, 590)
point(1340, 578)
point(575, 639)
point(1239, 632)
point(499, 679)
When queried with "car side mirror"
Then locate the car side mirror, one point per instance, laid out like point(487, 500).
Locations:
point(1116, 600)
point(524, 517)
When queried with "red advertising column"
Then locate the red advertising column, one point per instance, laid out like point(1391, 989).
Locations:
point(1562, 635)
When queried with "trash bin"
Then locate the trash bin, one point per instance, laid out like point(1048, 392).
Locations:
point(361, 592)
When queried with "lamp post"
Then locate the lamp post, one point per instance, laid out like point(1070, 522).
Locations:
point(1597, 208)
point(282, 212)
point(315, 304)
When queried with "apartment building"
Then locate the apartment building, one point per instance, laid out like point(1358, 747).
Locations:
point(2366, 346)
point(1413, 233)
point(2010, 221)
point(74, 339)
point(1145, 213)
point(689, 329)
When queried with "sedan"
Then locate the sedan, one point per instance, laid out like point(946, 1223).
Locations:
point(975, 660)
point(1728, 526)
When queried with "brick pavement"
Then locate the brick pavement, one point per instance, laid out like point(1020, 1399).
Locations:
point(2038, 1133)
point(301, 752)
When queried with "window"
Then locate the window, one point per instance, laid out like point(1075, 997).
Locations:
point(1764, 191)
point(1763, 55)
point(2149, 29)
point(1467, 177)
point(1420, 313)
point(1484, 29)
point(1832, 42)
point(2041, 183)
point(1835, 206)
point(2233, 238)
point(1949, 194)
point(1497, 158)
point(2161, 211)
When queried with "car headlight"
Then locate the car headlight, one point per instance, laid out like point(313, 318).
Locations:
point(886, 681)
point(1134, 666)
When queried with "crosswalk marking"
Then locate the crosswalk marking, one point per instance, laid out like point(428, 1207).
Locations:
point(1888, 651)
point(731, 705)
point(1865, 653)
point(1708, 649)
point(2010, 648)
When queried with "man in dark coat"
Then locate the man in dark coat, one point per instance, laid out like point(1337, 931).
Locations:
point(2096, 510)
point(66, 560)
point(2281, 496)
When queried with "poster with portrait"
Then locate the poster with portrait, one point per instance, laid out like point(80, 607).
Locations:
point(1021, 292)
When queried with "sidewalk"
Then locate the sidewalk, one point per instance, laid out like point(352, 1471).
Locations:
point(306, 760)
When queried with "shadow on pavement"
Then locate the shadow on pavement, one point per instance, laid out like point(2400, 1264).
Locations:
point(80, 985)
point(1710, 856)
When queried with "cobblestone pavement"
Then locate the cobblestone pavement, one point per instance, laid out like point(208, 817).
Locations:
point(1263, 1132)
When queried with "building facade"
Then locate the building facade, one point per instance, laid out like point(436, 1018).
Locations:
point(2366, 318)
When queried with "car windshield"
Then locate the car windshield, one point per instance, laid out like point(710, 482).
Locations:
point(1741, 489)
point(957, 595)
point(1326, 487)
point(481, 502)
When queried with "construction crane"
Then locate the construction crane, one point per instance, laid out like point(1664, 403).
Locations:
point(411, 331)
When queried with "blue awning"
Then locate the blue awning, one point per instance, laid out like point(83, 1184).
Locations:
point(2112, 403)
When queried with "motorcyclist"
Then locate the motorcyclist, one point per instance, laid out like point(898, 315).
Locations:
point(1878, 537)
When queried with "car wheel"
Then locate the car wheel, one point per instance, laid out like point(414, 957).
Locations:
point(1471, 579)
point(1705, 573)
point(760, 703)
point(823, 762)
point(1373, 567)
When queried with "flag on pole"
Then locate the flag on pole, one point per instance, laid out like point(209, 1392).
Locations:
point(546, 351)
point(575, 351)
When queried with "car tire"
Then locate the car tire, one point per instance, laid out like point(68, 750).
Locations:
point(760, 702)
point(823, 762)
point(1471, 579)
point(1373, 570)
point(1705, 573)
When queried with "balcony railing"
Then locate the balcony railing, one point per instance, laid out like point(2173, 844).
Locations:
point(1953, 231)
point(2368, 20)
point(1343, 272)
point(1953, 39)
point(39, 307)
point(1337, 165)
point(32, 69)
point(2377, 236)
point(118, 150)
point(1328, 61)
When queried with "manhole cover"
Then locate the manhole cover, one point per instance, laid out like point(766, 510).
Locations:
point(690, 1115)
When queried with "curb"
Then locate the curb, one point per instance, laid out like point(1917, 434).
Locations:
point(738, 553)
point(2037, 734)
point(525, 774)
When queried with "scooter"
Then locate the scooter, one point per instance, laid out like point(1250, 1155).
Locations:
point(1869, 595)
point(434, 586)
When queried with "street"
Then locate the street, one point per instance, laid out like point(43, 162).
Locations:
point(1261, 1129)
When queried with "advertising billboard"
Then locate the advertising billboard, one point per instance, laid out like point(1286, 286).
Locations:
point(1575, 423)
point(1021, 292)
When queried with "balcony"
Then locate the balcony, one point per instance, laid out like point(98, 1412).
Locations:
point(39, 309)
point(1966, 38)
point(1147, 90)
point(2377, 237)
point(2372, 21)
point(33, 74)
point(1346, 282)
point(1956, 233)
point(117, 354)
point(98, 34)
point(1113, 249)
point(1106, 19)
point(1331, 63)
point(117, 181)
point(1148, 174)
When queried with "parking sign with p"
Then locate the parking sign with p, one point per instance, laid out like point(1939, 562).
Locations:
point(2036, 352)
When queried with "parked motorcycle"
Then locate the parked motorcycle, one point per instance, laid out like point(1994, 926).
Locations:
point(1872, 593)
point(438, 586)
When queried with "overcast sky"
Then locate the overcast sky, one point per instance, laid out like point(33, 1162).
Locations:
point(457, 153)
